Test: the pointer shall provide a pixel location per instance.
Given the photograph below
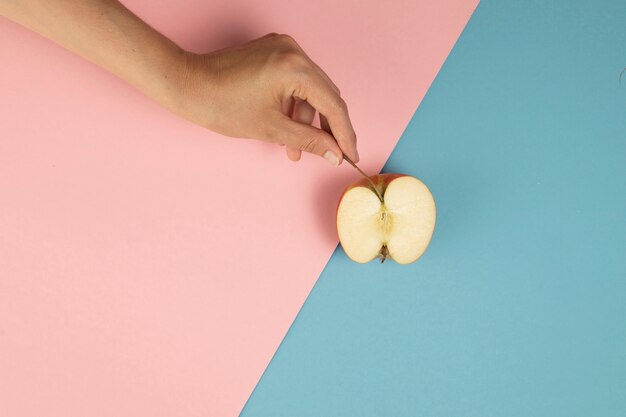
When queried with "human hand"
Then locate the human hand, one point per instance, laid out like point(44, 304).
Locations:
point(267, 89)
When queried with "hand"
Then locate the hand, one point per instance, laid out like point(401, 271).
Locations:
point(267, 89)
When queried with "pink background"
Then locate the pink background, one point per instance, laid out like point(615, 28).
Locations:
point(150, 267)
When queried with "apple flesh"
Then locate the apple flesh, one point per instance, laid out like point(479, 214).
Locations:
point(393, 216)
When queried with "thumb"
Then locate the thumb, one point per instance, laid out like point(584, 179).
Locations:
point(312, 140)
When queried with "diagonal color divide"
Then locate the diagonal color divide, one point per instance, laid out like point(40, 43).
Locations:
point(150, 267)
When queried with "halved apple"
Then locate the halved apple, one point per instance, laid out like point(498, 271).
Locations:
point(393, 216)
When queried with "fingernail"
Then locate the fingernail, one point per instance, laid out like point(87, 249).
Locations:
point(358, 158)
point(332, 158)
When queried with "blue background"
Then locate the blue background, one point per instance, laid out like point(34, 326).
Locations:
point(518, 308)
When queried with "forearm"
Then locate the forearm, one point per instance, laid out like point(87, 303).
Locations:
point(109, 35)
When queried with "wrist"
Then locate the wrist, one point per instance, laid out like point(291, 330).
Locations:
point(167, 75)
point(191, 88)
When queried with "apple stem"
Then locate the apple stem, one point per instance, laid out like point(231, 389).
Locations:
point(380, 197)
point(384, 252)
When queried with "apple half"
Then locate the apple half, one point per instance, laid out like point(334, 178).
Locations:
point(391, 216)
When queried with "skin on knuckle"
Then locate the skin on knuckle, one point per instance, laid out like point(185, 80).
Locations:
point(287, 53)
point(309, 145)
point(267, 36)
point(332, 84)
point(339, 107)
point(301, 76)
point(271, 132)
point(288, 61)
point(287, 39)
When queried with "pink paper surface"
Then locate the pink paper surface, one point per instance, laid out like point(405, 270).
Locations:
point(149, 267)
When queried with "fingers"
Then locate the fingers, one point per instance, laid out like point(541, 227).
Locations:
point(321, 72)
point(323, 97)
point(289, 109)
point(287, 106)
point(328, 101)
point(293, 153)
point(303, 113)
point(324, 124)
point(306, 138)
point(312, 90)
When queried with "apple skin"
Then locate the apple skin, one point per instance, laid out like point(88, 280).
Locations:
point(380, 181)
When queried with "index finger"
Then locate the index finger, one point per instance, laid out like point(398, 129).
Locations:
point(323, 97)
